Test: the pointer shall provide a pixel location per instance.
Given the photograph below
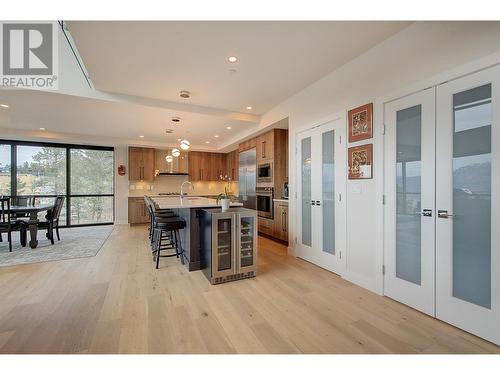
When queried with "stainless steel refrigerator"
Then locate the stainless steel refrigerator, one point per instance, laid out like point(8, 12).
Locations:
point(248, 178)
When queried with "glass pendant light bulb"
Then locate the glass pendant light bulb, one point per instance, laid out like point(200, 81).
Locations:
point(176, 152)
point(169, 158)
point(185, 145)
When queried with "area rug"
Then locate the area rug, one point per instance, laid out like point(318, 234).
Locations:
point(82, 242)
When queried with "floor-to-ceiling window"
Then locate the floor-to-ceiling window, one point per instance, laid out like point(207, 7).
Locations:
point(83, 174)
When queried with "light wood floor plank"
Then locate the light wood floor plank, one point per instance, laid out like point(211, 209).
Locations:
point(117, 302)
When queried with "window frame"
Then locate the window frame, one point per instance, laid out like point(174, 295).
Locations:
point(68, 147)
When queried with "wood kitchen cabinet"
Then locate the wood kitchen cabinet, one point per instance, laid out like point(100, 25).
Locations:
point(233, 165)
point(141, 164)
point(281, 220)
point(195, 166)
point(265, 147)
point(207, 166)
point(218, 166)
point(247, 145)
point(266, 226)
point(137, 212)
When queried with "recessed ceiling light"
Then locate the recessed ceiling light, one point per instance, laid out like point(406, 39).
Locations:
point(228, 127)
point(185, 94)
point(42, 128)
point(169, 131)
point(4, 105)
point(176, 119)
point(249, 107)
point(141, 136)
point(216, 136)
point(207, 142)
point(178, 139)
point(232, 59)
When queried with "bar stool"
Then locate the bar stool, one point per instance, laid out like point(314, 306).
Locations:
point(150, 206)
point(166, 236)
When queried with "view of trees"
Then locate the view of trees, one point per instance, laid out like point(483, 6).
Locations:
point(42, 171)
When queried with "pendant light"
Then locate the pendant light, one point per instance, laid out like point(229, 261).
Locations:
point(169, 158)
point(185, 145)
point(176, 152)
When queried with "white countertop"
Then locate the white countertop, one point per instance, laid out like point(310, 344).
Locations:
point(171, 202)
point(280, 200)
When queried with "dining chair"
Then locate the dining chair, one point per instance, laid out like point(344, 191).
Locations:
point(8, 224)
point(26, 200)
point(52, 220)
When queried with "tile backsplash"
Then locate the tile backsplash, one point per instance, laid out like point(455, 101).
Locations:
point(167, 184)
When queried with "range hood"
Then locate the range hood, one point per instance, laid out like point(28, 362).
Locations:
point(168, 173)
point(178, 167)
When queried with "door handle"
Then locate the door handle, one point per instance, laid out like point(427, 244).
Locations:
point(313, 203)
point(443, 214)
point(318, 203)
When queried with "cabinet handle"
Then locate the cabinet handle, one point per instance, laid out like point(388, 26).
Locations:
point(263, 149)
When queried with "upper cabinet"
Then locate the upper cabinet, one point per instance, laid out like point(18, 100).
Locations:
point(265, 147)
point(201, 166)
point(141, 163)
point(207, 166)
point(233, 165)
point(179, 164)
point(247, 145)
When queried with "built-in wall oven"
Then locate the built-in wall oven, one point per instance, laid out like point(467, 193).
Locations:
point(265, 202)
point(265, 172)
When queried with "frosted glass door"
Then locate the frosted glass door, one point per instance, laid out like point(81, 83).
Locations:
point(328, 190)
point(321, 183)
point(409, 209)
point(467, 200)
point(306, 196)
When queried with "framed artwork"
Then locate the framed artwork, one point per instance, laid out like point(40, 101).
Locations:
point(360, 123)
point(360, 162)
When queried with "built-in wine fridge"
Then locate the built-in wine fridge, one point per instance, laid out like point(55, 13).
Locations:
point(228, 244)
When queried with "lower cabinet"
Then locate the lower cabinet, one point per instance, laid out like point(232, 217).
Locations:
point(281, 220)
point(137, 212)
point(266, 226)
point(277, 227)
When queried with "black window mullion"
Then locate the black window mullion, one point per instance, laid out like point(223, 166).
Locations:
point(13, 170)
point(68, 147)
point(68, 186)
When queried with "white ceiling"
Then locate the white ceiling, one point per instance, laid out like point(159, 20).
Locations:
point(276, 59)
point(146, 64)
point(30, 110)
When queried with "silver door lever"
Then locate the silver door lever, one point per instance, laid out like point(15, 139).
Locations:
point(443, 214)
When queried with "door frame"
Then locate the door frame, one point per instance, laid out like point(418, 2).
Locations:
point(341, 181)
point(473, 318)
point(420, 297)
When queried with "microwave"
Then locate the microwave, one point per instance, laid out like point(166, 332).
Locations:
point(265, 172)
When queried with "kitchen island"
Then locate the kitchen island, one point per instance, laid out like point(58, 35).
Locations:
point(188, 208)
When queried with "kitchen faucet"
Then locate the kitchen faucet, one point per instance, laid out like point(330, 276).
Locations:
point(182, 187)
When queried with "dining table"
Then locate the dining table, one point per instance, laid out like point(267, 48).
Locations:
point(32, 211)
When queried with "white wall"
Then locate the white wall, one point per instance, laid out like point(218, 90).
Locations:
point(417, 56)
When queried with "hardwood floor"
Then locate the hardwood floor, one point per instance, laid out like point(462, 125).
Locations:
point(117, 302)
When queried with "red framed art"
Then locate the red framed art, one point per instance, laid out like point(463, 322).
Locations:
point(360, 159)
point(361, 123)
